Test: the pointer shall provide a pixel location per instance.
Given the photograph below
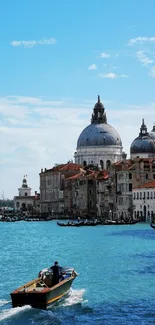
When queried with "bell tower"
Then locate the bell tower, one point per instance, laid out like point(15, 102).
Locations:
point(24, 190)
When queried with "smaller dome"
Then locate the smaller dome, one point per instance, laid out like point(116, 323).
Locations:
point(152, 133)
point(144, 143)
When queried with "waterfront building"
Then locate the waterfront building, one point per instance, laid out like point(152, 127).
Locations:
point(131, 174)
point(80, 194)
point(122, 178)
point(105, 195)
point(52, 187)
point(144, 201)
point(24, 201)
point(99, 144)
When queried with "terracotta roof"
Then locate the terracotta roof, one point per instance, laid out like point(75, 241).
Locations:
point(70, 166)
point(124, 165)
point(103, 175)
point(146, 185)
point(117, 163)
point(77, 176)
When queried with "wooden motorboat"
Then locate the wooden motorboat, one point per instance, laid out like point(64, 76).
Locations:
point(40, 293)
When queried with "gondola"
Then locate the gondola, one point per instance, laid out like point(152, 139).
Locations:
point(152, 225)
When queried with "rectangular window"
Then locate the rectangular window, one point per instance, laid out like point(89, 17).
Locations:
point(130, 187)
point(137, 196)
point(147, 195)
point(140, 195)
point(154, 195)
point(134, 196)
point(144, 195)
point(151, 196)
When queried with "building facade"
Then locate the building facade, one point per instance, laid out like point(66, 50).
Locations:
point(144, 201)
point(52, 187)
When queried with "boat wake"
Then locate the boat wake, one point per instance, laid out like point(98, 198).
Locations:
point(75, 297)
point(4, 302)
point(11, 312)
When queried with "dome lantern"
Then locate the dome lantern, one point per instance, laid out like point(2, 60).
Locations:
point(24, 182)
point(98, 116)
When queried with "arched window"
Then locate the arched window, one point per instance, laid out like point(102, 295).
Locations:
point(101, 164)
point(84, 163)
point(25, 193)
point(108, 164)
point(130, 176)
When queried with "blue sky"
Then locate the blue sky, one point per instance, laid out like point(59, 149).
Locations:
point(56, 57)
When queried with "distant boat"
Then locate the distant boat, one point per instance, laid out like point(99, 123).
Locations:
point(40, 293)
point(78, 224)
point(152, 225)
point(95, 223)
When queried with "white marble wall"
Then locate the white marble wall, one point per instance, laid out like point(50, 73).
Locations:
point(93, 155)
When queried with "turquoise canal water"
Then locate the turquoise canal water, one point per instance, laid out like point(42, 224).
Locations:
point(116, 266)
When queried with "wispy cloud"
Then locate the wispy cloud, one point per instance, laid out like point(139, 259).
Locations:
point(143, 58)
point(152, 72)
point(112, 75)
point(92, 67)
point(141, 40)
point(105, 55)
point(31, 135)
point(29, 44)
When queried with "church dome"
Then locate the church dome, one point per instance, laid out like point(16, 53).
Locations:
point(99, 133)
point(144, 143)
point(152, 133)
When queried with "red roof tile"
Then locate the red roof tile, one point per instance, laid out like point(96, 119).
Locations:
point(146, 185)
point(77, 176)
point(70, 166)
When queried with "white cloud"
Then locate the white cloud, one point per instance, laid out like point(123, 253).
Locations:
point(92, 67)
point(152, 72)
point(124, 75)
point(112, 75)
point(29, 44)
point(109, 75)
point(141, 40)
point(104, 55)
point(142, 57)
point(38, 136)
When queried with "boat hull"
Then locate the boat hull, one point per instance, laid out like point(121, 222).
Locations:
point(41, 299)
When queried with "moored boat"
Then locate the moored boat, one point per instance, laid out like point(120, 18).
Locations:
point(152, 225)
point(40, 292)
